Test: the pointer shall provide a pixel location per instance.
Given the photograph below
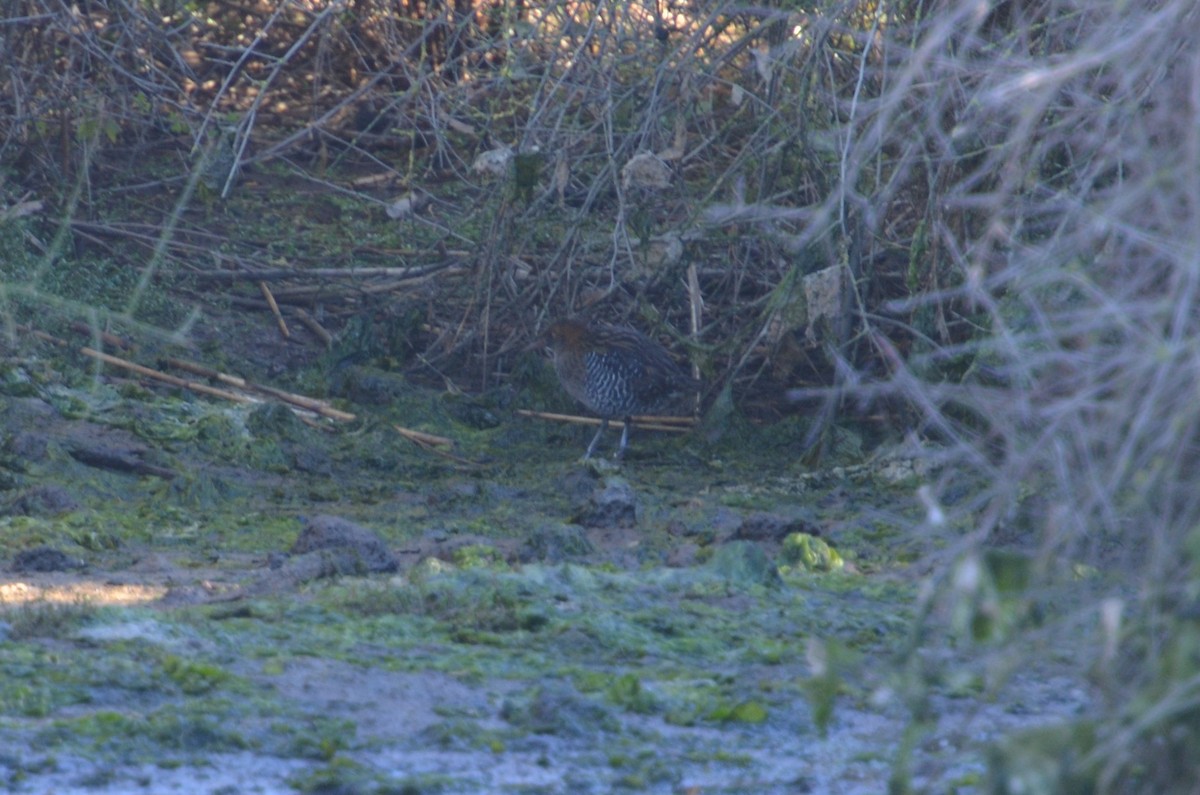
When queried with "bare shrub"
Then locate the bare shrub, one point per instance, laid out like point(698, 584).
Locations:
point(1008, 192)
point(1062, 148)
point(721, 95)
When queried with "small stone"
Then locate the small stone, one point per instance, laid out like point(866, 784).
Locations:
point(358, 550)
point(613, 504)
point(556, 543)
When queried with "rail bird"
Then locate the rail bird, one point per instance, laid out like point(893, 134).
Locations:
point(615, 371)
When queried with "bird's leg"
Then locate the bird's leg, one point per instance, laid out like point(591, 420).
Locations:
point(596, 439)
point(624, 438)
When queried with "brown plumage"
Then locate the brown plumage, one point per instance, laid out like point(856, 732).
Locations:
point(615, 371)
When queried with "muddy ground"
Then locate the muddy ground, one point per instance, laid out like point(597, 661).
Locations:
point(210, 597)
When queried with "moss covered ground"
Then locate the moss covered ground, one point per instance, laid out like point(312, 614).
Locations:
point(747, 631)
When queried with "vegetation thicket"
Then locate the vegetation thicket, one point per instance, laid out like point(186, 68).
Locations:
point(977, 220)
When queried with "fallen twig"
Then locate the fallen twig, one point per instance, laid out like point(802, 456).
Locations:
point(283, 328)
point(301, 401)
point(431, 443)
point(105, 337)
point(164, 377)
point(422, 438)
point(316, 273)
point(44, 337)
point(316, 328)
point(668, 424)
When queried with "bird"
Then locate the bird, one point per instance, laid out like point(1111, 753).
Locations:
point(615, 371)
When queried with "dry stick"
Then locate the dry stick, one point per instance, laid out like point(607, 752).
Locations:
point(449, 270)
point(143, 233)
point(301, 401)
point(316, 273)
point(164, 377)
point(81, 328)
point(266, 291)
point(43, 336)
point(422, 438)
point(108, 339)
point(246, 271)
point(292, 294)
point(668, 424)
point(312, 423)
point(316, 328)
point(696, 303)
point(429, 443)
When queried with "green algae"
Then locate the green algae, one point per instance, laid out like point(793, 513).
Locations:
point(809, 553)
point(741, 712)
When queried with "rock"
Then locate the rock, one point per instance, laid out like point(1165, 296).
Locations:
point(555, 543)
point(613, 504)
point(312, 460)
point(347, 548)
